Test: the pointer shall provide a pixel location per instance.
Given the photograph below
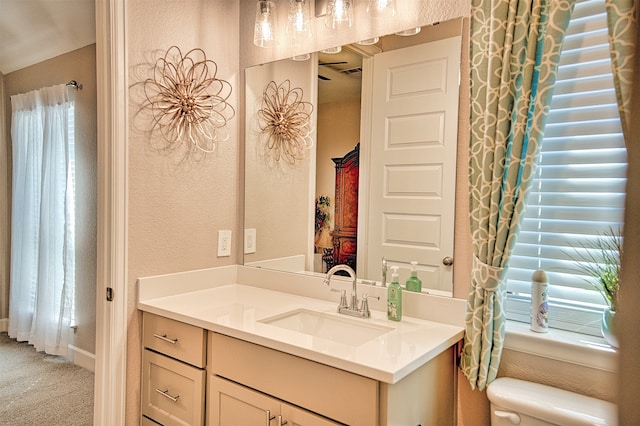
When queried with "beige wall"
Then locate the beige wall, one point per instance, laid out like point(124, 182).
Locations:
point(176, 211)
point(78, 65)
point(629, 320)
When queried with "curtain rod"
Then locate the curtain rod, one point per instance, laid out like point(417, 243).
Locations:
point(75, 85)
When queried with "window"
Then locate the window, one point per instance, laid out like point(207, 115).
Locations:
point(579, 188)
point(70, 206)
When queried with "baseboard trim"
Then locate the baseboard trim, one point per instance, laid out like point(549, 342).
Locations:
point(82, 358)
point(4, 325)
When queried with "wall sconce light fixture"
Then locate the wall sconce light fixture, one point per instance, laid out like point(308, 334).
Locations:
point(264, 34)
point(332, 50)
point(301, 58)
point(409, 32)
point(369, 41)
point(298, 20)
point(339, 14)
point(381, 8)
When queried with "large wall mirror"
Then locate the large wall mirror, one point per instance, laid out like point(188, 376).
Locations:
point(377, 180)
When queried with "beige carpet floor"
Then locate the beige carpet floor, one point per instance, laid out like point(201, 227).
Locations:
point(40, 389)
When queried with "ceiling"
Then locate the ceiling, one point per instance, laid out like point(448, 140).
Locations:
point(339, 76)
point(32, 31)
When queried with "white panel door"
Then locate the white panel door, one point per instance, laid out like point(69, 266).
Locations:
point(413, 160)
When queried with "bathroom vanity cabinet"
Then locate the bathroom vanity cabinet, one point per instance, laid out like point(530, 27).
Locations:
point(424, 397)
point(173, 374)
point(221, 355)
point(327, 391)
point(246, 383)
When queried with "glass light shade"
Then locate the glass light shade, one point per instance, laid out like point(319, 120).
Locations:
point(298, 20)
point(302, 57)
point(381, 8)
point(409, 32)
point(339, 14)
point(332, 50)
point(369, 41)
point(264, 34)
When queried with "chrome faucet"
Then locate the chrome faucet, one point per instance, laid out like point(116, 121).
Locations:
point(353, 308)
point(384, 271)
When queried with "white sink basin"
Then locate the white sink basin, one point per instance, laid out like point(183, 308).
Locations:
point(345, 330)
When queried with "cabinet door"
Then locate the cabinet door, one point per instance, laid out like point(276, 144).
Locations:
point(294, 416)
point(230, 404)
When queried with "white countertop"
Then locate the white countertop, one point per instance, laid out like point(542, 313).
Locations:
point(236, 310)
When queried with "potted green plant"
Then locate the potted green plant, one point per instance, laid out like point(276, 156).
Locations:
point(600, 261)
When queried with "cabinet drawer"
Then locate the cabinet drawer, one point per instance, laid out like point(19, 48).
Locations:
point(176, 339)
point(231, 404)
point(172, 392)
point(331, 392)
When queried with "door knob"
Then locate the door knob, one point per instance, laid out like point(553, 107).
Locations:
point(447, 261)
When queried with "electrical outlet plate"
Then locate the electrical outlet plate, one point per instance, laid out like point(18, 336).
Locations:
point(224, 243)
point(250, 240)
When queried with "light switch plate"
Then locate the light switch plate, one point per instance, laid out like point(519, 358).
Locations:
point(250, 240)
point(224, 243)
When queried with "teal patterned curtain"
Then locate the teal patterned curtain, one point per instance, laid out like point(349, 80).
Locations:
point(622, 22)
point(514, 52)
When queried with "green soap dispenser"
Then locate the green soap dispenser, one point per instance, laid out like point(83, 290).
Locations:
point(394, 297)
point(413, 282)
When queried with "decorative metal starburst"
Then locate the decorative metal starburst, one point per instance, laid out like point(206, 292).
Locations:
point(284, 121)
point(187, 103)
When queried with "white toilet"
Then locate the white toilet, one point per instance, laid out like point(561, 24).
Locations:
point(516, 402)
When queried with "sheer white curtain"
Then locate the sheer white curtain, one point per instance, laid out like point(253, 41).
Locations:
point(42, 229)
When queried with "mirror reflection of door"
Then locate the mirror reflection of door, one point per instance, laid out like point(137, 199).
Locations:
point(410, 152)
point(413, 160)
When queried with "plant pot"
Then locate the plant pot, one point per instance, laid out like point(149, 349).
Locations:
point(608, 327)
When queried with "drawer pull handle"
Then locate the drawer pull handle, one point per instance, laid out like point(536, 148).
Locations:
point(165, 338)
point(269, 417)
point(166, 394)
point(280, 422)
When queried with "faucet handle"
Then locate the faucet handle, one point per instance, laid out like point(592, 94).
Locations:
point(343, 297)
point(365, 305)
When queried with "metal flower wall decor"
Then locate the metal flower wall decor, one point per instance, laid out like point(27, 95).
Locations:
point(284, 122)
point(187, 103)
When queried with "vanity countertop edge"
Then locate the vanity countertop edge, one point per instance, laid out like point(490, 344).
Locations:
point(218, 300)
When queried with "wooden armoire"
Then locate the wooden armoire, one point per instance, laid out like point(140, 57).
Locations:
point(345, 233)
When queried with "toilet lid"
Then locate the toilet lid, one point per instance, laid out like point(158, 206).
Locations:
point(550, 404)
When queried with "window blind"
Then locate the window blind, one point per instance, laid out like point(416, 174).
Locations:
point(579, 189)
